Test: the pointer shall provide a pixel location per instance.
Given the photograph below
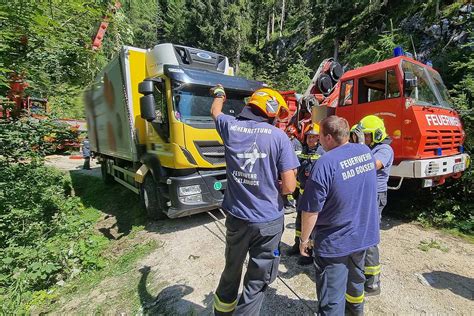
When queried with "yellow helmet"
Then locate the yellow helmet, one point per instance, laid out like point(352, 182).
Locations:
point(270, 102)
point(374, 125)
point(312, 129)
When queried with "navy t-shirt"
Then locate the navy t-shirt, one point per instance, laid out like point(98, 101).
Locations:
point(342, 188)
point(384, 153)
point(255, 153)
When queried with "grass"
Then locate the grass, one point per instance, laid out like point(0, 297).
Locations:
point(426, 245)
point(124, 249)
point(115, 268)
point(457, 233)
point(112, 200)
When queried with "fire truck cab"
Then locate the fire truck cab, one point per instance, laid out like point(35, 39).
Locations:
point(426, 132)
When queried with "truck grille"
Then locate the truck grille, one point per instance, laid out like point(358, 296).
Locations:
point(448, 140)
point(211, 151)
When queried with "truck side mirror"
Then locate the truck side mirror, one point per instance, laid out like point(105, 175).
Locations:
point(145, 87)
point(410, 81)
point(147, 107)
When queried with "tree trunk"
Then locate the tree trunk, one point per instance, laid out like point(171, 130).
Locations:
point(437, 8)
point(336, 49)
point(239, 47)
point(267, 39)
point(282, 17)
point(273, 20)
point(258, 33)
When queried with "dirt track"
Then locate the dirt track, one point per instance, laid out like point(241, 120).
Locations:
point(180, 276)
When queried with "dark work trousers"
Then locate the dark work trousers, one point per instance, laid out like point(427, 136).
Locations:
point(298, 217)
point(372, 259)
point(298, 227)
point(340, 284)
point(87, 163)
point(261, 241)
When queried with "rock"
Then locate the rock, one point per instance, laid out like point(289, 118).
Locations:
point(425, 280)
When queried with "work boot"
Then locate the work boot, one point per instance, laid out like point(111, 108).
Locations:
point(294, 250)
point(373, 290)
point(304, 261)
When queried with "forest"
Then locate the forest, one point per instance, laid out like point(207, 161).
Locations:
point(280, 42)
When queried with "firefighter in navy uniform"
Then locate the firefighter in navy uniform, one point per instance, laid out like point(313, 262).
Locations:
point(339, 219)
point(375, 136)
point(257, 154)
point(311, 152)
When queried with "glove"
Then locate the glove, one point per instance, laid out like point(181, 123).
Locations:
point(357, 136)
point(218, 91)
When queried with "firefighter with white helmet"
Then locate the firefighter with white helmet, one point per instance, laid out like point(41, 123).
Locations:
point(375, 136)
point(257, 154)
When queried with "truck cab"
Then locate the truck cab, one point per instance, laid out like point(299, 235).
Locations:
point(411, 98)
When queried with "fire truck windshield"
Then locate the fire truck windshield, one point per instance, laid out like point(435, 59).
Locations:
point(429, 89)
point(443, 91)
point(193, 103)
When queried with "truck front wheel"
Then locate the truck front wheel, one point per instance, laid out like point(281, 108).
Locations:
point(152, 199)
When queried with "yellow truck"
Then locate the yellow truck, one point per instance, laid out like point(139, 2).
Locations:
point(150, 128)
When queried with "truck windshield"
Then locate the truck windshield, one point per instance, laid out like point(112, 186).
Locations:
point(193, 103)
point(430, 90)
point(443, 91)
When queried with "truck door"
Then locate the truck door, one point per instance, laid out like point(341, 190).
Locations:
point(379, 94)
point(345, 106)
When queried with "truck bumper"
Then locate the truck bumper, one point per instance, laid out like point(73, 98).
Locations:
point(196, 193)
point(442, 167)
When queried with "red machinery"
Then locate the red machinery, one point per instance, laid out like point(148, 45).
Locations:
point(18, 104)
point(412, 100)
point(99, 36)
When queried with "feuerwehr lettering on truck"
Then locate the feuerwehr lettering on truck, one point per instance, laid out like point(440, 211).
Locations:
point(435, 119)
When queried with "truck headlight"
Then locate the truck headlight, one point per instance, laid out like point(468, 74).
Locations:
point(189, 190)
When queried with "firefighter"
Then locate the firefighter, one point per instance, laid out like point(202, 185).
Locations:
point(339, 215)
point(292, 134)
point(311, 152)
point(257, 154)
point(289, 200)
point(375, 136)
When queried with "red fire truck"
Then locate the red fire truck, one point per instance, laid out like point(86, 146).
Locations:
point(412, 100)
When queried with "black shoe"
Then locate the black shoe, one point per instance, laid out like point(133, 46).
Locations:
point(294, 250)
point(372, 291)
point(304, 261)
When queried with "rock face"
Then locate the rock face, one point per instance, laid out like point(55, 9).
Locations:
point(453, 31)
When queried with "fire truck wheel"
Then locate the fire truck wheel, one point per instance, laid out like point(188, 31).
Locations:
point(152, 200)
point(106, 177)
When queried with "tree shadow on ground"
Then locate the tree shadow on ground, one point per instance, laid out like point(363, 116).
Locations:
point(122, 208)
point(170, 300)
point(458, 284)
point(292, 266)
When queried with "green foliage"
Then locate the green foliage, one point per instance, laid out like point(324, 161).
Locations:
point(45, 235)
point(28, 139)
point(426, 245)
point(297, 77)
point(451, 205)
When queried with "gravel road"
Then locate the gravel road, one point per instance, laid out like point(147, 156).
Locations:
point(424, 271)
